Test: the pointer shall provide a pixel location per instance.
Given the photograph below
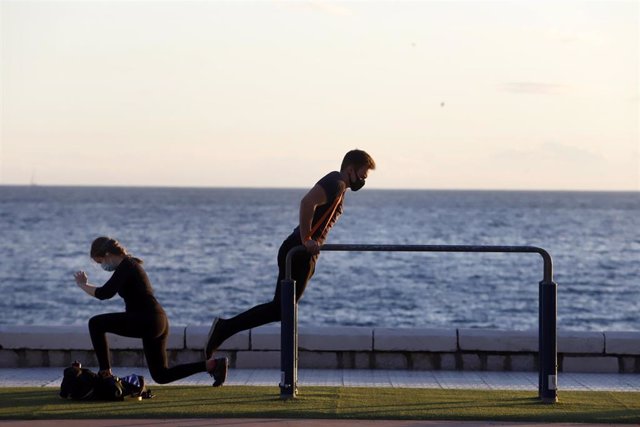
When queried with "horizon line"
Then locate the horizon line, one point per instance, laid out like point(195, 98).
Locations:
point(177, 187)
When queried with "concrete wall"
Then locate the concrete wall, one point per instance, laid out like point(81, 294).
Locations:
point(343, 347)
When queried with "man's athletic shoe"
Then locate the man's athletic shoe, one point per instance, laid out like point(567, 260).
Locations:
point(219, 373)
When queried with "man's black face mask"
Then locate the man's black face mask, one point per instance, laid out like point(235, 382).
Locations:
point(357, 184)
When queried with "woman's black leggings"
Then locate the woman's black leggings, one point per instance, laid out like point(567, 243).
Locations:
point(153, 328)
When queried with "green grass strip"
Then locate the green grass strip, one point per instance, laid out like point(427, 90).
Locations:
point(330, 402)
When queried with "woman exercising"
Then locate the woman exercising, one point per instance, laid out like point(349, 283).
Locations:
point(143, 318)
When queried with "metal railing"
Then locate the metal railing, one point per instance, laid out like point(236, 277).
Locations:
point(547, 310)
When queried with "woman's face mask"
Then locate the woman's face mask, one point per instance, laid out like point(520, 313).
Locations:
point(107, 266)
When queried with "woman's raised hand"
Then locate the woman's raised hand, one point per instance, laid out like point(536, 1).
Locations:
point(81, 278)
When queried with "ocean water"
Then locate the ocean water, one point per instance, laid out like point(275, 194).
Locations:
point(213, 252)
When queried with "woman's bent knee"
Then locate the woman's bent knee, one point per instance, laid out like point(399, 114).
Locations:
point(160, 377)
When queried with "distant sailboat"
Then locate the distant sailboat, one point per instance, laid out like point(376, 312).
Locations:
point(33, 179)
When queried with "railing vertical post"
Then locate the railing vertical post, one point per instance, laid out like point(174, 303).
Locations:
point(548, 390)
point(288, 340)
point(541, 347)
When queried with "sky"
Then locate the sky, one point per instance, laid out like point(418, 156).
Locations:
point(514, 95)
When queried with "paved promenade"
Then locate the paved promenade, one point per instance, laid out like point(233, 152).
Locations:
point(51, 377)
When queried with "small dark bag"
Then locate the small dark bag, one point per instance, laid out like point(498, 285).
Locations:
point(83, 384)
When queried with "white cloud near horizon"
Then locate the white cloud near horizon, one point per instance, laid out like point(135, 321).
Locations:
point(536, 88)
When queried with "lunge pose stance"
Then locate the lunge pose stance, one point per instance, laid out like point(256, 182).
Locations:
point(319, 210)
point(143, 318)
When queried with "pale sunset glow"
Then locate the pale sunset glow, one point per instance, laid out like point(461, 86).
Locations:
point(522, 94)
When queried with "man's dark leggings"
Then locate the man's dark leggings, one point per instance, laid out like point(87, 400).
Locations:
point(153, 328)
point(302, 268)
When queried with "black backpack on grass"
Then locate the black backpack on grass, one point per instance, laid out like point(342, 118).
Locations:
point(83, 384)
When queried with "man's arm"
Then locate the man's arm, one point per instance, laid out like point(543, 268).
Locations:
point(314, 198)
